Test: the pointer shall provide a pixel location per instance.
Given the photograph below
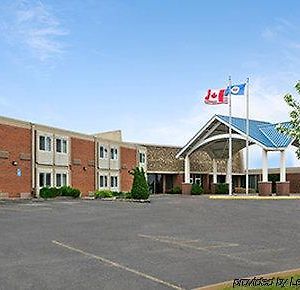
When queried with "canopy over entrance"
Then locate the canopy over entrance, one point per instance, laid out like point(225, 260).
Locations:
point(213, 138)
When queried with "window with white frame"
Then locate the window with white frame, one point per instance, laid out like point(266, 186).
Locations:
point(103, 181)
point(103, 152)
point(44, 179)
point(61, 179)
point(114, 153)
point(44, 143)
point(142, 157)
point(61, 145)
point(114, 181)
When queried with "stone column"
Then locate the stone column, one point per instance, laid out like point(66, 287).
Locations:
point(187, 169)
point(227, 171)
point(265, 187)
point(186, 186)
point(283, 186)
point(215, 176)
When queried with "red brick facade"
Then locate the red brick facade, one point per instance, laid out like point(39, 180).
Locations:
point(15, 146)
point(178, 180)
point(128, 162)
point(294, 179)
point(82, 168)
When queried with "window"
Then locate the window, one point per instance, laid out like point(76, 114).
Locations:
point(44, 179)
point(142, 158)
point(103, 152)
point(64, 179)
point(42, 143)
point(58, 145)
point(61, 145)
point(103, 181)
point(61, 179)
point(45, 143)
point(64, 146)
point(114, 181)
point(114, 153)
point(48, 143)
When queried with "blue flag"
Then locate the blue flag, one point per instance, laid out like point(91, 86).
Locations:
point(236, 90)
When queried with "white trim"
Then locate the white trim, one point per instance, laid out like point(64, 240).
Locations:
point(178, 155)
point(219, 137)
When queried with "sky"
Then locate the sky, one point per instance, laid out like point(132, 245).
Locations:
point(145, 66)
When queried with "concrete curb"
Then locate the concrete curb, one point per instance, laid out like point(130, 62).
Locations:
point(124, 199)
point(253, 197)
point(225, 284)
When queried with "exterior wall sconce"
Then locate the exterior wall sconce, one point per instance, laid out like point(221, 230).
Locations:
point(84, 168)
point(14, 163)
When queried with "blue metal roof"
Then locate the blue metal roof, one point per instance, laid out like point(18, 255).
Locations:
point(263, 132)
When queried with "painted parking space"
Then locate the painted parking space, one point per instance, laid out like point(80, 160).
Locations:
point(171, 242)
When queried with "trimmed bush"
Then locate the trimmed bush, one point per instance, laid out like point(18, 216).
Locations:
point(140, 189)
point(103, 194)
point(222, 188)
point(69, 191)
point(109, 194)
point(176, 190)
point(49, 192)
point(117, 193)
point(196, 189)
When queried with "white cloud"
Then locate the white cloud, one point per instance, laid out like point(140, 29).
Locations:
point(33, 25)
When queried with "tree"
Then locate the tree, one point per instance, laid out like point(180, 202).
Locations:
point(140, 189)
point(292, 128)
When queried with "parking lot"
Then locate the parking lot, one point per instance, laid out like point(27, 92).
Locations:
point(174, 242)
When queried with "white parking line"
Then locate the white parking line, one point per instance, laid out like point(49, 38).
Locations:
point(187, 243)
point(117, 265)
point(208, 249)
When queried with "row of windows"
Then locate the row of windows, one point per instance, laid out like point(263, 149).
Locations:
point(61, 147)
point(45, 144)
point(103, 153)
point(114, 181)
point(45, 179)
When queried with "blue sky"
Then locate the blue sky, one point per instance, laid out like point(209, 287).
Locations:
point(144, 66)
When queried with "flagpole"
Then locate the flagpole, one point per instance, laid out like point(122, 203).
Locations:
point(230, 141)
point(247, 138)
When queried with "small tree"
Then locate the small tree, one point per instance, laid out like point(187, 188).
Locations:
point(293, 128)
point(140, 189)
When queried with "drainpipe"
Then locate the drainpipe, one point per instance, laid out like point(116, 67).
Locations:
point(96, 163)
point(33, 170)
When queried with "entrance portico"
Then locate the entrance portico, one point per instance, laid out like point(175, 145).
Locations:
point(213, 138)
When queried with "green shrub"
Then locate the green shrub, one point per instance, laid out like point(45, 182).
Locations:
point(222, 188)
point(196, 189)
point(117, 193)
point(49, 192)
point(103, 194)
point(176, 190)
point(69, 191)
point(127, 195)
point(140, 189)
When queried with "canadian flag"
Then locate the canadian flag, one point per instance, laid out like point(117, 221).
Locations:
point(216, 97)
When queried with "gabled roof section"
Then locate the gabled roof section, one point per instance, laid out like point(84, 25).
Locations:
point(263, 132)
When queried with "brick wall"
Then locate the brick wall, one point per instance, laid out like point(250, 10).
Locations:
point(128, 162)
point(294, 179)
point(82, 169)
point(15, 145)
point(178, 180)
